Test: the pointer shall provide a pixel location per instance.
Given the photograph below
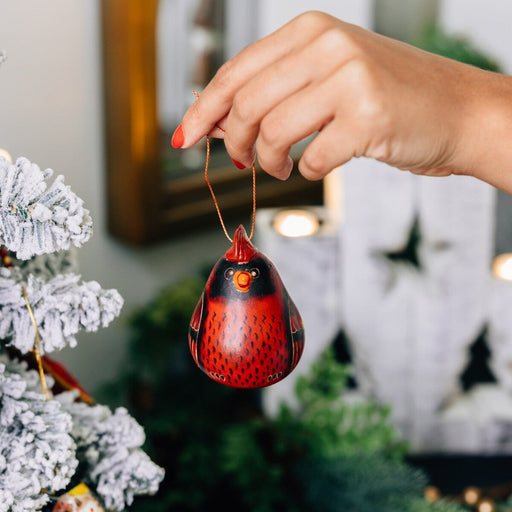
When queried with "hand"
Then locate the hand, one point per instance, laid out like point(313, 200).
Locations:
point(362, 94)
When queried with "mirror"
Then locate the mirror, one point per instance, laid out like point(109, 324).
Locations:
point(154, 54)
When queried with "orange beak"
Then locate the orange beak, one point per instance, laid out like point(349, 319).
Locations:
point(242, 280)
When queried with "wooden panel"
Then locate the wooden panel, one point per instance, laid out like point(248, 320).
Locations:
point(131, 130)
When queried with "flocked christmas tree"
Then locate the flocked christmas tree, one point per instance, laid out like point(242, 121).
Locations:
point(53, 438)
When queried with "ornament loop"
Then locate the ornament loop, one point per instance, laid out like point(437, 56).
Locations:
point(217, 207)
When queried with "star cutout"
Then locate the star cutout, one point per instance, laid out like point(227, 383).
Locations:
point(409, 252)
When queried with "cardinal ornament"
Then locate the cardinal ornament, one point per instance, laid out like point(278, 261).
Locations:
point(245, 332)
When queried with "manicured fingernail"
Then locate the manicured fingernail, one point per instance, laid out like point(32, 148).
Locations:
point(238, 164)
point(178, 138)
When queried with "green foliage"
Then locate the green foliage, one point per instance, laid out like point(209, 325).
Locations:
point(332, 452)
point(162, 325)
point(433, 39)
point(327, 430)
point(257, 468)
point(335, 423)
point(364, 483)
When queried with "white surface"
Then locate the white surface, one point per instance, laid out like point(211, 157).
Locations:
point(274, 14)
point(411, 328)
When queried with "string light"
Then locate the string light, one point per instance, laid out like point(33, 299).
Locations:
point(502, 266)
point(471, 495)
point(295, 223)
point(5, 154)
point(486, 505)
point(432, 493)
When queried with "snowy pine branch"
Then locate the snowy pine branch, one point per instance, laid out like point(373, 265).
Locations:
point(36, 448)
point(36, 218)
point(42, 443)
point(110, 445)
point(62, 306)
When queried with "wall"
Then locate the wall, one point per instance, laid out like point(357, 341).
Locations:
point(274, 14)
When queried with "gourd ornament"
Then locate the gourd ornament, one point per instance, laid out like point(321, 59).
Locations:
point(245, 332)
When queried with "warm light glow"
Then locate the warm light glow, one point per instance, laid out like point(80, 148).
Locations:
point(486, 505)
point(432, 493)
point(472, 495)
point(5, 154)
point(295, 223)
point(502, 266)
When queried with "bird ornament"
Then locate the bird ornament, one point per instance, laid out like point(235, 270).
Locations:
point(246, 331)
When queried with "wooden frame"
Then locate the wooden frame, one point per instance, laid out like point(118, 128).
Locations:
point(142, 206)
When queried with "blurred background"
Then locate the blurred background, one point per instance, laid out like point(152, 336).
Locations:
point(78, 95)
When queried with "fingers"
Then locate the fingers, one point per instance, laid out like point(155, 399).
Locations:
point(216, 100)
point(361, 94)
point(281, 82)
point(250, 106)
point(294, 119)
point(329, 149)
point(336, 108)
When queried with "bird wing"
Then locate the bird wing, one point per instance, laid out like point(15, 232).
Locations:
point(61, 374)
point(297, 332)
point(195, 324)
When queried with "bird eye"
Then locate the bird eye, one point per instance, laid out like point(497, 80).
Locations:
point(255, 273)
point(229, 273)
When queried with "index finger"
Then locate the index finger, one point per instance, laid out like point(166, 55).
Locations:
point(217, 98)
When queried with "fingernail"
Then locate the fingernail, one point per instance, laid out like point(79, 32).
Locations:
point(238, 164)
point(178, 138)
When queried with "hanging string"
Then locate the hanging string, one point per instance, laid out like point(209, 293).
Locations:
point(215, 202)
point(37, 349)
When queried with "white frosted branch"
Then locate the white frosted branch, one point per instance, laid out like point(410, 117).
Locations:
point(110, 444)
point(36, 447)
point(43, 442)
point(62, 307)
point(36, 218)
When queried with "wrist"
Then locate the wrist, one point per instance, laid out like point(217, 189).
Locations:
point(485, 146)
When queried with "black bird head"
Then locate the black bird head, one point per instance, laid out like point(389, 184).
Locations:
point(243, 272)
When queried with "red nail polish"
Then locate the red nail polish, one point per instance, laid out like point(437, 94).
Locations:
point(238, 164)
point(178, 138)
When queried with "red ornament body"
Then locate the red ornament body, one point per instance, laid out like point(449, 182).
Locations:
point(246, 332)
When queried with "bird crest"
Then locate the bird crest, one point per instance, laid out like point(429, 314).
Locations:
point(242, 250)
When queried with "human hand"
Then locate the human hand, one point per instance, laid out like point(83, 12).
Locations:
point(362, 94)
